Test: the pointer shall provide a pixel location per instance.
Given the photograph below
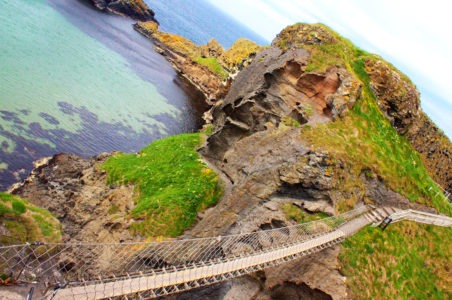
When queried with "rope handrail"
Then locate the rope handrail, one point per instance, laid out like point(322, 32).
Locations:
point(62, 262)
point(352, 213)
point(97, 270)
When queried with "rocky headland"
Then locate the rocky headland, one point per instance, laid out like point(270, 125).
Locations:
point(210, 68)
point(309, 127)
point(135, 9)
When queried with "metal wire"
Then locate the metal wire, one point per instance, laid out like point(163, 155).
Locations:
point(97, 270)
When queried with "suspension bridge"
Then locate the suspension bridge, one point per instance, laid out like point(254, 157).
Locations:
point(154, 269)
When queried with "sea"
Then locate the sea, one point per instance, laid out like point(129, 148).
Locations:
point(77, 80)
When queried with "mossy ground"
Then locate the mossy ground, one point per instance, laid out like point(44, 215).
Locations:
point(407, 261)
point(295, 213)
point(213, 65)
point(25, 222)
point(171, 182)
point(365, 137)
point(239, 51)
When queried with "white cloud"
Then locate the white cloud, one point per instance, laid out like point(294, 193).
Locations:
point(412, 35)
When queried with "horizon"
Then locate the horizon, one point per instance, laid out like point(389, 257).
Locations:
point(399, 35)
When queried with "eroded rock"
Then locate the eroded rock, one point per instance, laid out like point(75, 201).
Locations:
point(74, 189)
point(136, 9)
point(276, 86)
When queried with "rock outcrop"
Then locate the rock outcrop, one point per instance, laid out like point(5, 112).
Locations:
point(182, 53)
point(212, 49)
point(135, 9)
point(274, 88)
point(74, 189)
point(399, 101)
point(258, 145)
point(239, 55)
point(208, 67)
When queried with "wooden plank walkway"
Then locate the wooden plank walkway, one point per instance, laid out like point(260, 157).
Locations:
point(140, 284)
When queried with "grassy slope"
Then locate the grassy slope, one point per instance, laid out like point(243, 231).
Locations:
point(26, 222)
point(171, 182)
point(366, 138)
point(213, 65)
point(407, 261)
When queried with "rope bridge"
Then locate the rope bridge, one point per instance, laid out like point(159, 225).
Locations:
point(149, 270)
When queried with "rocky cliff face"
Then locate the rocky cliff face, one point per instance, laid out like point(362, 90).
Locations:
point(265, 146)
point(182, 53)
point(399, 100)
point(136, 9)
point(256, 142)
point(74, 189)
point(277, 88)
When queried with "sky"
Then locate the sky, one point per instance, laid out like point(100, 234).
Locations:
point(412, 35)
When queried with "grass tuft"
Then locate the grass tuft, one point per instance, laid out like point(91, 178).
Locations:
point(171, 182)
point(24, 222)
point(292, 212)
point(213, 65)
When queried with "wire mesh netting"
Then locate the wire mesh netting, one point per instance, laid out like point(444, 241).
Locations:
point(80, 262)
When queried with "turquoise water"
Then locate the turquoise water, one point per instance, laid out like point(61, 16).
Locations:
point(62, 90)
point(76, 80)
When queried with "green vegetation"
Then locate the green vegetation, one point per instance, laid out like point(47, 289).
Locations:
point(213, 65)
point(172, 184)
point(297, 214)
point(406, 261)
point(180, 44)
point(239, 51)
point(290, 122)
point(364, 136)
point(25, 222)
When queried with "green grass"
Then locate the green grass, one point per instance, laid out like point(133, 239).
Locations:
point(295, 213)
point(171, 184)
point(213, 65)
point(406, 261)
point(290, 122)
point(366, 138)
point(25, 222)
point(18, 207)
point(45, 227)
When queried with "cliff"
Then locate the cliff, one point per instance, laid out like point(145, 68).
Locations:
point(399, 101)
point(311, 126)
point(135, 9)
point(304, 129)
point(208, 66)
